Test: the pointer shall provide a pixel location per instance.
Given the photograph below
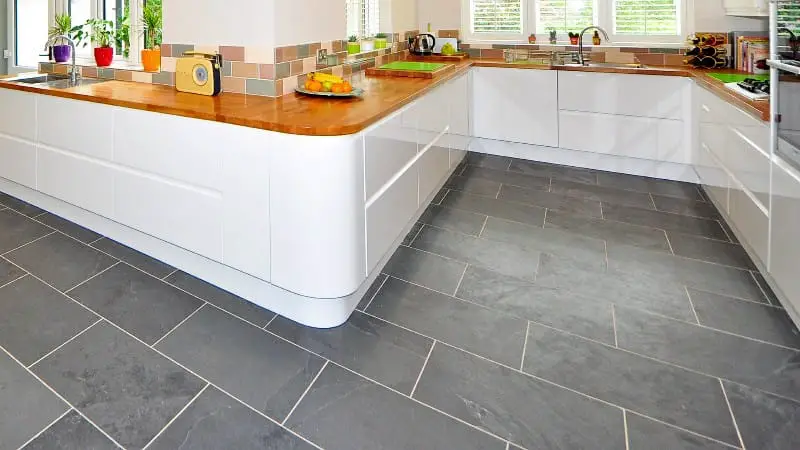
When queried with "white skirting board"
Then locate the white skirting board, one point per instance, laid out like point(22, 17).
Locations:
point(596, 161)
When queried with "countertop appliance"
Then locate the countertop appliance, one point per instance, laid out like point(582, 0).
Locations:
point(199, 73)
point(785, 76)
point(422, 44)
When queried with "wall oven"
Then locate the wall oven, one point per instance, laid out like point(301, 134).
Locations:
point(785, 78)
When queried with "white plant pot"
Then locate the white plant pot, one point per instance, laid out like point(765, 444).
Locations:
point(367, 46)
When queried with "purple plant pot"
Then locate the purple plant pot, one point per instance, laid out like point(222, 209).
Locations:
point(62, 53)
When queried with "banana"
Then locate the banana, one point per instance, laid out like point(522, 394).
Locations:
point(325, 77)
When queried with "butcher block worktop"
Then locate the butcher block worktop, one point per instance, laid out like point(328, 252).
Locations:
point(302, 115)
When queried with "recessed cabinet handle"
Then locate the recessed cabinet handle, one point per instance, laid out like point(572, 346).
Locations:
point(705, 108)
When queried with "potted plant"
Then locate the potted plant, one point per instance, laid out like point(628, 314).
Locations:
point(573, 38)
point(553, 36)
point(532, 39)
point(381, 40)
point(367, 44)
point(152, 21)
point(63, 27)
point(353, 46)
point(101, 34)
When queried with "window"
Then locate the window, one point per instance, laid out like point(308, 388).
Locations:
point(564, 16)
point(30, 26)
point(626, 21)
point(81, 11)
point(789, 14)
point(362, 17)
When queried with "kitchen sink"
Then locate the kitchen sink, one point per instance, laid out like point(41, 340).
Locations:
point(608, 64)
point(55, 81)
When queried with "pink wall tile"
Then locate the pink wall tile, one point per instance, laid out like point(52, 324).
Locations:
point(232, 53)
point(244, 70)
point(266, 71)
point(235, 85)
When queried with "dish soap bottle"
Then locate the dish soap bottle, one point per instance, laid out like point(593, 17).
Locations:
point(596, 38)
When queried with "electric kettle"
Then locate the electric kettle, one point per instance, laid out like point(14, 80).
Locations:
point(422, 44)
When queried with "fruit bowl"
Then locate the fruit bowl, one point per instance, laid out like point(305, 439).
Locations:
point(327, 85)
point(356, 92)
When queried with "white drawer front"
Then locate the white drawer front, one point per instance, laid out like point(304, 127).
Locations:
point(749, 166)
point(751, 222)
point(77, 126)
point(433, 166)
point(18, 161)
point(389, 214)
point(74, 179)
point(713, 177)
point(18, 110)
point(388, 149)
point(785, 245)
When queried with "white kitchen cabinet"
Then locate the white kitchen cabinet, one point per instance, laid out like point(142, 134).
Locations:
point(746, 8)
point(751, 222)
point(79, 127)
point(81, 181)
point(433, 115)
point(515, 105)
point(389, 214)
point(460, 134)
point(785, 245)
point(433, 165)
point(660, 97)
point(18, 110)
point(713, 177)
point(387, 148)
point(18, 161)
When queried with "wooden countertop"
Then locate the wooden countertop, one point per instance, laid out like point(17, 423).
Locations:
point(302, 115)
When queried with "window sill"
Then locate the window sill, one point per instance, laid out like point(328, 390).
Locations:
point(90, 62)
point(545, 43)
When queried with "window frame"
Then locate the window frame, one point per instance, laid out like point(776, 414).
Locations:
point(364, 25)
point(604, 12)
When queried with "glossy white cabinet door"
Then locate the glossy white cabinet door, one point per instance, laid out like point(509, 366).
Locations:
point(433, 166)
point(516, 105)
point(79, 127)
point(713, 177)
point(750, 220)
point(785, 248)
point(387, 149)
point(389, 214)
point(18, 161)
point(631, 95)
point(433, 111)
point(18, 112)
point(75, 179)
point(460, 131)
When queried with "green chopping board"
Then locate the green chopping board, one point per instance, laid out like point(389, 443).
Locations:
point(734, 78)
point(412, 65)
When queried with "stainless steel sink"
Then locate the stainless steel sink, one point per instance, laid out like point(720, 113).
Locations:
point(55, 81)
point(608, 64)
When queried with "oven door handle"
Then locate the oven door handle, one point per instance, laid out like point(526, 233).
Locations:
point(780, 65)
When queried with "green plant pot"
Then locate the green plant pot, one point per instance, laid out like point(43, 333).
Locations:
point(380, 43)
point(353, 48)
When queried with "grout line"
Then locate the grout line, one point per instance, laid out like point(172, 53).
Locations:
point(424, 365)
point(614, 324)
point(28, 243)
point(95, 241)
point(653, 202)
point(92, 277)
point(270, 321)
point(525, 345)
point(460, 280)
point(169, 275)
point(669, 244)
point(733, 418)
point(65, 343)
point(625, 427)
point(175, 417)
point(676, 427)
point(544, 221)
point(71, 406)
point(14, 280)
point(373, 295)
point(763, 292)
point(416, 235)
point(308, 388)
point(510, 163)
point(691, 303)
point(38, 215)
point(508, 445)
point(497, 195)
point(26, 443)
point(483, 227)
point(179, 324)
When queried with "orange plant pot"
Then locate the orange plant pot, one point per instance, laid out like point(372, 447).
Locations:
point(151, 60)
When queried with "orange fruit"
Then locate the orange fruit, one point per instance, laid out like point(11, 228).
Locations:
point(346, 87)
point(307, 85)
point(337, 88)
point(315, 86)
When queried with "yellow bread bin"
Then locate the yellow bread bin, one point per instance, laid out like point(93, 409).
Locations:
point(199, 73)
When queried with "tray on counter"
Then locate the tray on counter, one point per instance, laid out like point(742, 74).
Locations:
point(356, 92)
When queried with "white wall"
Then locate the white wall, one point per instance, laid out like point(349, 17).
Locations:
point(441, 14)
point(230, 22)
point(304, 21)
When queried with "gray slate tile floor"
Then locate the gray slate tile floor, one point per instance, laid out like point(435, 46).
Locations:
point(533, 306)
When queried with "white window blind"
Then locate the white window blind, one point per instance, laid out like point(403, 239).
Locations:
point(564, 16)
point(789, 14)
point(362, 17)
point(647, 17)
point(496, 16)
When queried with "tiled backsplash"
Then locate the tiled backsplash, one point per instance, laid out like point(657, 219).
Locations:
point(657, 56)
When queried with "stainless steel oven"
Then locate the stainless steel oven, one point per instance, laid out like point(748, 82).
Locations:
point(785, 78)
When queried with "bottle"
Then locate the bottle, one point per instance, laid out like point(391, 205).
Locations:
point(596, 38)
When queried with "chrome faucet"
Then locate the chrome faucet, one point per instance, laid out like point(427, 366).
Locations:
point(73, 76)
point(581, 59)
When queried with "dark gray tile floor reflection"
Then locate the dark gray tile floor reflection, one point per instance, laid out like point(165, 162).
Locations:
point(533, 306)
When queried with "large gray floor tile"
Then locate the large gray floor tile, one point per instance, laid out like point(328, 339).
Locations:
point(518, 212)
point(686, 207)
point(602, 194)
point(426, 269)
point(626, 289)
point(505, 177)
point(710, 250)
point(127, 389)
point(510, 259)
point(488, 161)
point(453, 219)
point(585, 315)
point(653, 185)
point(9, 272)
point(26, 405)
point(74, 230)
point(668, 221)
point(517, 407)
point(478, 186)
point(371, 291)
point(217, 421)
point(764, 366)
point(554, 171)
point(343, 411)
point(262, 370)
point(674, 395)
point(645, 434)
point(221, 298)
point(61, 261)
point(551, 200)
point(18, 230)
point(35, 319)
point(412, 233)
point(709, 277)
point(769, 294)
point(487, 332)
point(71, 432)
point(376, 349)
point(764, 322)
point(591, 252)
point(142, 305)
point(765, 421)
point(613, 232)
point(19, 205)
point(437, 199)
point(137, 259)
